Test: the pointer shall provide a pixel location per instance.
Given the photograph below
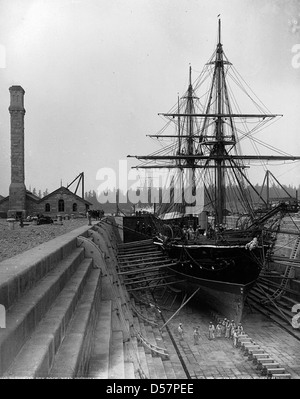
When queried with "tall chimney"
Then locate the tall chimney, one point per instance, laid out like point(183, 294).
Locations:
point(17, 189)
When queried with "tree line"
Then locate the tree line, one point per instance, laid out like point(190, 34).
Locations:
point(113, 206)
point(275, 192)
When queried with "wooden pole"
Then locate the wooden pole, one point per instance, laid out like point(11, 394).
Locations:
point(180, 308)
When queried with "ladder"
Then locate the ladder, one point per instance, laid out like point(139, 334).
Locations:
point(289, 272)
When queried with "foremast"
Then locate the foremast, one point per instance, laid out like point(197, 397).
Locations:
point(219, 146)
point(190, 109)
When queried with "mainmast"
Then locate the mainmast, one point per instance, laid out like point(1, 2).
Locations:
point(190, 111)
point(219, 146)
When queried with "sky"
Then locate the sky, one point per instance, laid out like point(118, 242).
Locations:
point(96, 73)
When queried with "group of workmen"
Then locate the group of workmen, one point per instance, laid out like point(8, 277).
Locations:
point(224, 328)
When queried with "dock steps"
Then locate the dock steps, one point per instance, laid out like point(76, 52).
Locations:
point(37, 355)
point(116, 359)
point(72, 358)
point(68, 314)
point(34, 282)
point(145, 349)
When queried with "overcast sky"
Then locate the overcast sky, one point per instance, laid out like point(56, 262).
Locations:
point(97, 72)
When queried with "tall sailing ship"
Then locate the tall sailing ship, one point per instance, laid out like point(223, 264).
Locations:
point(209, 223)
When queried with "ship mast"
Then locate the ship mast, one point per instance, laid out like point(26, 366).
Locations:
point(179, 132)
point(206, 140)
point(190, 109)
point(219, 146)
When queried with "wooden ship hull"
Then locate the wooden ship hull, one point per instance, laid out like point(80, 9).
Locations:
point(226, 298)
point(223, 274)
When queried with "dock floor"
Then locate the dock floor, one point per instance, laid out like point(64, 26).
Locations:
point(218, 358)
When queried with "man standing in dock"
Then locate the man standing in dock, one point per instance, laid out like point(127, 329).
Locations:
point(89, 217)
point(196, 336)
point(227, 329)
point(180, 331)
point(211, 331)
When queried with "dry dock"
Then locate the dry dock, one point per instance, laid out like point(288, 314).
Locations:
point(80, 306)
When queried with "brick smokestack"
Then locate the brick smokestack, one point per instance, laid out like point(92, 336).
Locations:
point(17, 189)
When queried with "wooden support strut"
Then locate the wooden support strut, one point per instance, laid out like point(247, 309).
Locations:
point(137, 250)
point(145, 280)
point(138, 266)
point(183, 304)
point(143, 270)
point(135, 255)
point(133, 248)
point(273, 302)
point(135, 244)
point(153, 275)
point(154, 286)
point(139, 260)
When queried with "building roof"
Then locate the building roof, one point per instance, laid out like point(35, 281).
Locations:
point(64, 190)
point(32, 196)
point(28, 194)
point(3, 199)
point(37, 199)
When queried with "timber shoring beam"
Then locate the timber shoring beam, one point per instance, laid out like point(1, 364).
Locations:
point(143, 259)
point(138, 255)
point(153, 273)
point(148, 268)
point(137, 248)
point(155, 286)
point(142, 264)
point(182, 305)
point(145, 280)
point(148, 275)
point(135, 255)
point(139, 251)
point(135, 243)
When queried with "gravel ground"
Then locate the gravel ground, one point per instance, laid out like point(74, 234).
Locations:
point(14, 242)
